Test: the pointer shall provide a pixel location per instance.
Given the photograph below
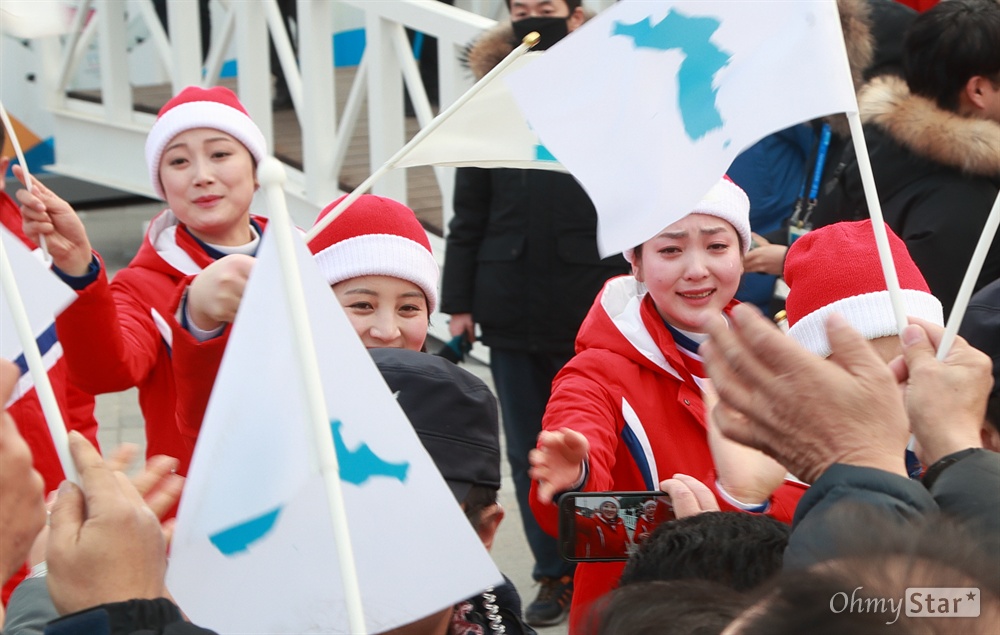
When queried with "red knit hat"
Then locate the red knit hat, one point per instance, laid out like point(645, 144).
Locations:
point(836, 269)
point(195, 107)
point(376, 236)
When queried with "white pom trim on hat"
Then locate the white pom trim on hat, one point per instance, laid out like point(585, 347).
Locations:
point(381, 255)
point(200, 114)
point(725, 200)
point(869, 313)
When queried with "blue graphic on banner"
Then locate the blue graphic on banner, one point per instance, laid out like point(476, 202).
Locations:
point(702, 60)
point(361, 464)
point(238, 538)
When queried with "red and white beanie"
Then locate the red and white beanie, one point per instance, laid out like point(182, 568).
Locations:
point(376, 236)
point(836, 269)
point(727, 201)
point(195, 107)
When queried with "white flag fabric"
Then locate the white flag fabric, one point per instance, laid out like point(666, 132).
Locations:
point(34, 18)
point(253, 550)
point(648, 103)
point(44, 296)
point(488, 131)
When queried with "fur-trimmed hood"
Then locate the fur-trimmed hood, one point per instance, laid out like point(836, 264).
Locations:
point(495, 44)
point(969, 144)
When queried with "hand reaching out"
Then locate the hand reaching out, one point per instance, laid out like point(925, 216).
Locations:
point(557, 462)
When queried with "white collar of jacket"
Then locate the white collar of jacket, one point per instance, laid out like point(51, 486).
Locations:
point(622, 301)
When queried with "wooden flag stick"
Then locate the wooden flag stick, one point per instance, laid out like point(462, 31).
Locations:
point(969, 282)
point(529, 40)
point(24, 166)
point(43, 387)
point(271, 175)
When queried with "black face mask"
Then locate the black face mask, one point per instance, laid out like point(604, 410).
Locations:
point(551, 30)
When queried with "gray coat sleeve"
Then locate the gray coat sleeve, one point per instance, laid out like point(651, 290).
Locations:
point(969, 491)
point(30, 608)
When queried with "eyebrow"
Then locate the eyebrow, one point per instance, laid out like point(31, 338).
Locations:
point(707, 231)
point(360, 291)
point(182, 144)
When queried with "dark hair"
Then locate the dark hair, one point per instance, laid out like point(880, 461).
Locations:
point(736, 549)
point(690, 607)
point(572, 4)
point(879, 559)
point(479, 498)
point(948, 45)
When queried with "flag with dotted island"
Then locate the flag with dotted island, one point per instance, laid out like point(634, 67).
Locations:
point(254, 548)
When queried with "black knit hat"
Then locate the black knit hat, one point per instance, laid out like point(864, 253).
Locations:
point(453, 412)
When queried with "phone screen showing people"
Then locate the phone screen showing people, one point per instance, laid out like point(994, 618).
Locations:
point(608, 526)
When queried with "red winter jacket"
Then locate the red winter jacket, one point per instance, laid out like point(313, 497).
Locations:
point(627, 390)
point(121, 334)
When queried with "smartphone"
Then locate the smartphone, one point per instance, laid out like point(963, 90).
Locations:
point(609, 526)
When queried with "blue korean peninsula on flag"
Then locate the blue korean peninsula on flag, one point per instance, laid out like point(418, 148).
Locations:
point(254, 549)
point(648, 103)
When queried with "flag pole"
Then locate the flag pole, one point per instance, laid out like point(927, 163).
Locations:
point(43, 387)
point(271, 175)
point(24, 167)
point(529, 41)
point(878, 221)
point(969, 282)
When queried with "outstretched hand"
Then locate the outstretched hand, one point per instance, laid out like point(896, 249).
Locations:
point(557, 462)
point(805, 411)
point(43, 213)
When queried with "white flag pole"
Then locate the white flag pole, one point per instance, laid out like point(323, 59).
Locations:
point(43, 387)
point(878, 222)
point(271, 175)
point(529, 40)
point(969, 282)
point(24, 166)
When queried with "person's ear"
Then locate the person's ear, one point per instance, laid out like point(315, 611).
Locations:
point(637, 268)
point(4, 164)
point(489, 522)
point(575, 20)
point(974, 92)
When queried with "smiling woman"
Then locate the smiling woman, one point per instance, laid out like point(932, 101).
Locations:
point(378, 260)
point(201, 154)
point(628, 411)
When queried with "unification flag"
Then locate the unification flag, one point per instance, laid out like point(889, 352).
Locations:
point(254, 548)
point(44, 296)
point(648, 103)
point(488, 131)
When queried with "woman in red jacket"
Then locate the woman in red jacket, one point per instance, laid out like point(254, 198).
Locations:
point(628, 411)
point(201, 153)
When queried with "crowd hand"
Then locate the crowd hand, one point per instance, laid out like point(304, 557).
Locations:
point(45, 214)
point(805, 411)
point(22, 490)
point(105, 544)
point(215, 294)
point(748, 475)
point(462, 323)
point(765, 257)
point(689, 496)
point(945, 400)
point(557, 462)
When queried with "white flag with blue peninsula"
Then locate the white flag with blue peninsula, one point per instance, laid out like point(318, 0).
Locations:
point(44, 296)
point(648, 103)
point(254, 548)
